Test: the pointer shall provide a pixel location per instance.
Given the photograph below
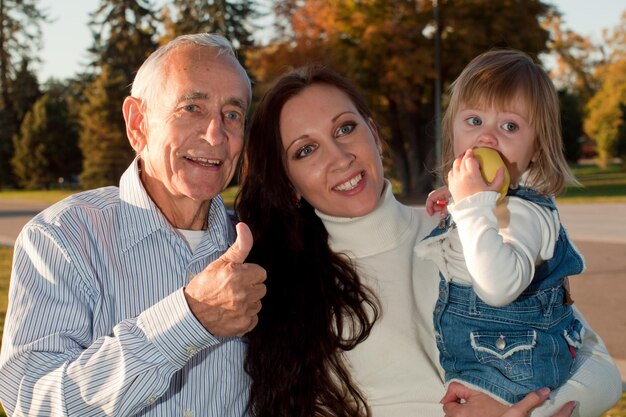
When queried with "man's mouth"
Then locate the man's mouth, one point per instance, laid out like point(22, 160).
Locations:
point(350, 184)
point(204, 161)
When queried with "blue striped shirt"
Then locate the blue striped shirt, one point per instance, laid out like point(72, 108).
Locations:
point(97, 322)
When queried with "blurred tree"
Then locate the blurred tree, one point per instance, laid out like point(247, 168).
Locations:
point(604, 115)
point(124, 32)
point(7, 121)
point(576, 58)
point(103, 141)
point(232, 19)
point(387, 49)
point(20, 36)
point(26, 91)
point(604, 110)
point(572, 124)
point(47, 147)
point(620, 144)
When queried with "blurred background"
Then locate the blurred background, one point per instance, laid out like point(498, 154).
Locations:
point(65, 67)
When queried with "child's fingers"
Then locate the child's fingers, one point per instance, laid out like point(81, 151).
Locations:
point(498, 180)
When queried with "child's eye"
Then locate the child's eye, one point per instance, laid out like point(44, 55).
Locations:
point(510, 126)
point(473, 121)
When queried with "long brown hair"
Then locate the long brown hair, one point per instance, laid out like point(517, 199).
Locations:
point(316, 307)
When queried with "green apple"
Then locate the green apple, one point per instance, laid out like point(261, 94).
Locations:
point(490, 162)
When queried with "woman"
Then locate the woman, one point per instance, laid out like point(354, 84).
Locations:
point(346, 326)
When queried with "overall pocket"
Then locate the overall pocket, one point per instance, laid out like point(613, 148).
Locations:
point(509, 352)
point(573, 335)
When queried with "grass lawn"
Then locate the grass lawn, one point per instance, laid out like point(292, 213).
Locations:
point(5, 271)
point(51, 196)
point(599, 186)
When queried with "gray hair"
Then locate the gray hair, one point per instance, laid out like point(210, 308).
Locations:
point(150, 76)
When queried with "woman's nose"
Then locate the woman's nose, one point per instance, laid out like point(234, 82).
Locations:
point(341, 157)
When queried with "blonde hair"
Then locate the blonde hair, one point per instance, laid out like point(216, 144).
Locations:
point(494, 79)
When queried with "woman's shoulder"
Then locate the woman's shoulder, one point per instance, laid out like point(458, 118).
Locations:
point(420, 219)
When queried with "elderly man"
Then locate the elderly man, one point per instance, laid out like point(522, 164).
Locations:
point(128, 301)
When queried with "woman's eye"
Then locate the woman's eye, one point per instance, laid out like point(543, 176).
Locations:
point(305, 151)
point(510, 127)
point(473, 121)
point(345, 129)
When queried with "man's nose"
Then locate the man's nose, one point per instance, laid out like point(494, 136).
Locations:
point(215, 132)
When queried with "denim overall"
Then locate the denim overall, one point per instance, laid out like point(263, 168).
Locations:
point(512, 350)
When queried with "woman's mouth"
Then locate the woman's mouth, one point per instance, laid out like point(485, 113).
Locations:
point(350, 184)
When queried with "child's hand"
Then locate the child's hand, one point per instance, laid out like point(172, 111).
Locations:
point(437, 201)
point(465, 178)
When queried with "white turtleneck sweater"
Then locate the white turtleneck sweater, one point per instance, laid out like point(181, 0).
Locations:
point(397, 366)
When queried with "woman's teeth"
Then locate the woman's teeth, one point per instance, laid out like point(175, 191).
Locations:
point(349, 185)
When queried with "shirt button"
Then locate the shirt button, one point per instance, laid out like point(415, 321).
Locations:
point(188, 413)
point(151, 399)
point(192, 350)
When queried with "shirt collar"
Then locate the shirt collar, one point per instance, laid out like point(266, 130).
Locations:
point(141, 217)
point(380, 230)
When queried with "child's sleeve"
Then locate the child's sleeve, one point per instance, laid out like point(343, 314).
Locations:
point(503, 244)
point(595, 383)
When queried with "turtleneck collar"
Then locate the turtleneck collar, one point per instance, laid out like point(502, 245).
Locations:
point(378, 231)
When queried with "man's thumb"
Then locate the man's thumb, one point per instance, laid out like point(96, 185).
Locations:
point(239, 250)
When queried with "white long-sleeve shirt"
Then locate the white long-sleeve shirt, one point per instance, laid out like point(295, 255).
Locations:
point(397, 366)
point(495, 249)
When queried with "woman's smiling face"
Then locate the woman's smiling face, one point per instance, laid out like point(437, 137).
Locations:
point(332, 154)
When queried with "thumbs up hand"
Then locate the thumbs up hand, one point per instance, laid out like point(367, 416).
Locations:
point(226, 296)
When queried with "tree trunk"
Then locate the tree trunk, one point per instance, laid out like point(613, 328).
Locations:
point(396, 145)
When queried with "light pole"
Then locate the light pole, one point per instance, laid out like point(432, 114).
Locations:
point(439, 180)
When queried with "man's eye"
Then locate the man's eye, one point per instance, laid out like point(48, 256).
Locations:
point(510, 127)
point(473, 121)
point(191, 108)
point(233, 115)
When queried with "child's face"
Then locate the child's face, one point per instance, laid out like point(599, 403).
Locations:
point(505, 130)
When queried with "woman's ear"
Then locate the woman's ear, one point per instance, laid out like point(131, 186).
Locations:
point(374, 129)
point(134, 116)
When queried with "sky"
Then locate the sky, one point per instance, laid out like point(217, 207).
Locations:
point(67, 38)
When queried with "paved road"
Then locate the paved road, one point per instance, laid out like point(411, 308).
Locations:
point(599, 231)
point(13, 216)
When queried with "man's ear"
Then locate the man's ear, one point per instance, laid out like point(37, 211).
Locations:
point(134, 116)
